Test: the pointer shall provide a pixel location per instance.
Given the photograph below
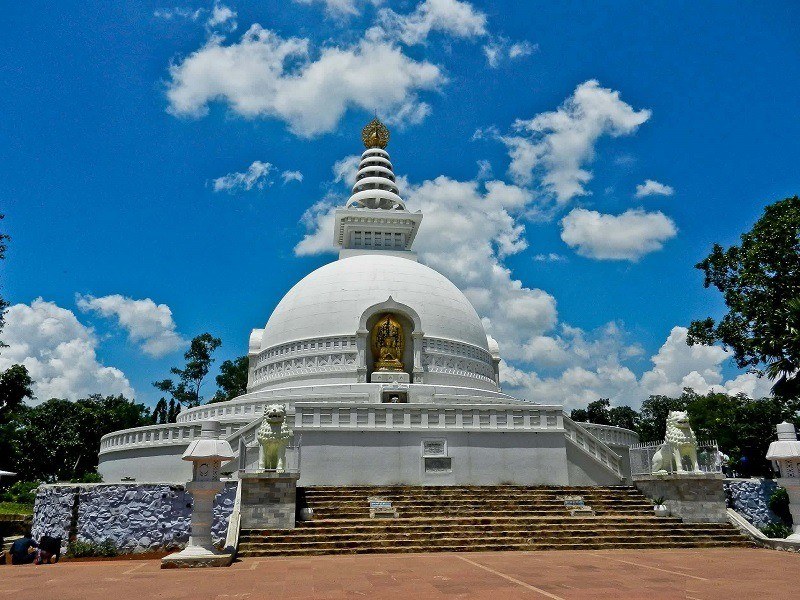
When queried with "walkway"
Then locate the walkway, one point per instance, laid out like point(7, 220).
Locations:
point(694, 574)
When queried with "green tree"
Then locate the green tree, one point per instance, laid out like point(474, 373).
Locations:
point(579, 414)
point(186, 391)
point(624, 416)
point(760, 283)
point(653, 417)
point(15, 386)
point(59, 439)
point(4, 238)
point(232, 379)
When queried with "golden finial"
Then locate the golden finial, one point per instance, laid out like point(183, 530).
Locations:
point(375, 134)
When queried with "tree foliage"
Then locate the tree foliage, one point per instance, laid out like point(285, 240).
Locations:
point(743, 427)
point(760, 283)
point(232, 379)
point(15, 385)
point(186, 391)
point(59, 439)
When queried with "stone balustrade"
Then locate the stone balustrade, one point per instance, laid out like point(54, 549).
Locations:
point(312, 415)
point(585, 439)
point(611, 435)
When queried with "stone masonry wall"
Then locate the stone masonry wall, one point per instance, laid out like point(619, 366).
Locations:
point(750, 498)
point(693, 498)
point(137, 517)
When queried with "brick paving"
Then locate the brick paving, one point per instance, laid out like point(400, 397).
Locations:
point(670, 574)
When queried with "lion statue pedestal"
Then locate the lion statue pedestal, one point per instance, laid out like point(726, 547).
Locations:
point(678, 453)
point(274, 435)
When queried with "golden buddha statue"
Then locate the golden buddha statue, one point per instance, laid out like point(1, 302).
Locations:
point(387, 344)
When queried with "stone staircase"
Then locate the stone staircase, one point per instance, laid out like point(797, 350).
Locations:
point(459, 519)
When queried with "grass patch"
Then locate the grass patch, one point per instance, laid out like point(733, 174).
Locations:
point(15, 508)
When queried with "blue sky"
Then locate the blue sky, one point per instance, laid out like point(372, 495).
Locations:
point(119, 118)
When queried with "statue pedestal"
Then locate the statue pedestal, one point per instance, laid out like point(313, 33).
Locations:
point(268, 500)
point(693, 497)
point(390, 377)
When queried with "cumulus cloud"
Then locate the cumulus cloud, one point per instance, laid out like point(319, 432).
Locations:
point(345, 169)
point(556, 146)
point(501, 49)
point(148, 324)
point(627, 236)
point(288, 176)
point(59, 352)
point(257, 176)
point(342, 8)
point(653, 188)
point(451, 17)
point(469, 228)
point(223, 17)
point(265, 75)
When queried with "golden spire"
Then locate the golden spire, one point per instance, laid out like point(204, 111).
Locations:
point(375, 134)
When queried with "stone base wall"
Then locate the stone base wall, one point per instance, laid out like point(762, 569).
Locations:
point(750, 498)
point(137, 517)
point(693, 498)
point(269, 500)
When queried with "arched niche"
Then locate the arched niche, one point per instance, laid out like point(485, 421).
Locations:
point(412, 329)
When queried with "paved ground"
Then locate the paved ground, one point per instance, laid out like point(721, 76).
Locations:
point(703, 574)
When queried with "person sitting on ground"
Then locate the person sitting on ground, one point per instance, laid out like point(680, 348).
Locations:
point(23, 551)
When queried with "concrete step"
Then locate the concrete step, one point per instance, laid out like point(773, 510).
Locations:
point(500, 546)
point(315, 537)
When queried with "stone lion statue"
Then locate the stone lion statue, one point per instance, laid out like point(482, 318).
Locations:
point(678, 453)
point(273, 435)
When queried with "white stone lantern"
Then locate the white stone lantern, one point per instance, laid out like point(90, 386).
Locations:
point(785, 456)
point(207, 455)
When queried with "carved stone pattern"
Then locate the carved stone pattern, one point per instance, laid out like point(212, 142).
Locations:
point(457, 358)
point(321, 355)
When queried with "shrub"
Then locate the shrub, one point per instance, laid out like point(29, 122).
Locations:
point(777, 530)
point(21, 492)
point(90, 477)
point(779, 504)
point(81, 549)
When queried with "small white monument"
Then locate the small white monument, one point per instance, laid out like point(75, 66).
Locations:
point(785, 456)
point(273, 436)
point(207, 455)
point(678, 453)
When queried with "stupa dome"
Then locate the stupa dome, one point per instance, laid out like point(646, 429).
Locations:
point(331, 301)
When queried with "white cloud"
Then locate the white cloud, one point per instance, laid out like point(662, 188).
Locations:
point(345, 170)
point(468, 229)
point(222, 15)
point(342, 8)
point(178, 13)
point(451, 17)
point(265, 75)
point(59, 353)
point(627, 236)
point(677, 365)
point(556, 146)
point(148, 324)
point(500, 49)
point(549, 257)
point(257, 176)
point(288, 176)
point(653, 188)
point(590, 367)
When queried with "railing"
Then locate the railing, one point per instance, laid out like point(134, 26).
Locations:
point(254, 407)
point(611, 435)
point(427, 416)
point(158, 435)
point(709, 459)
point(597, 449)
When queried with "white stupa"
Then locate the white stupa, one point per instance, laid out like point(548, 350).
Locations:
point(387, 376)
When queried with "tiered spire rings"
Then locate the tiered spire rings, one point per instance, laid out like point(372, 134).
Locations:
point(375, 185)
